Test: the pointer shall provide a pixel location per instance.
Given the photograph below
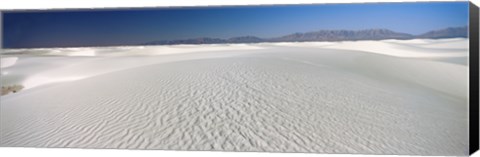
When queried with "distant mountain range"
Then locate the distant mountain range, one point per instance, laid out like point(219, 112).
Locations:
point(452, 32)
point(326, 35)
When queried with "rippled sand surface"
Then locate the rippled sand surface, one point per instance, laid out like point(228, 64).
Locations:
point(290, 97)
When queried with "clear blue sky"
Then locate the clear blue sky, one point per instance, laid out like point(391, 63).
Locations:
point(134, 26)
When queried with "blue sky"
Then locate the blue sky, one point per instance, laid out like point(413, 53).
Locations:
point(134, 26)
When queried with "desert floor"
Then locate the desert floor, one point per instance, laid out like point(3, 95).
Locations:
point(367, 97)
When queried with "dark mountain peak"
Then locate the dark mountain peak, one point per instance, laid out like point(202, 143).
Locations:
point(339, 35)
point(204, 40)
point(450, 32)
point(199, 40)
point(245, 39)
point(377, 31)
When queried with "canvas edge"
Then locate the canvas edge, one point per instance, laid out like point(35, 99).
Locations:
point(474, 79)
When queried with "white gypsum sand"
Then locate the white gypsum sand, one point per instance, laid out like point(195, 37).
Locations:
point(369, 97)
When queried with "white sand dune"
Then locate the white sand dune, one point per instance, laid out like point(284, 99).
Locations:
point(132, 50)
point(33, 71)
point(416, 48)
point(7, 61)
point(301, 97)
